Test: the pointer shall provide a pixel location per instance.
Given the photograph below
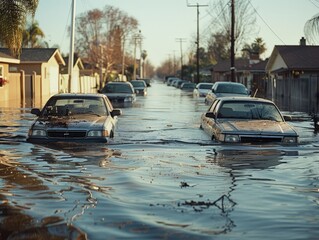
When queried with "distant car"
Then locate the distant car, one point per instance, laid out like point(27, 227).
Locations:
point(188, 86)
point(140, 87)
point(226, 89)
point(74, 117)
point(147, 81)
point(170, 80)
point(247, 120)
point(202, 89)
point(120, 93)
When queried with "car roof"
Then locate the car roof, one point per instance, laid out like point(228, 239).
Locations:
point(248, 99)
point(127, 83)
point(205, 83)
point(229, 83)
point(84, 95)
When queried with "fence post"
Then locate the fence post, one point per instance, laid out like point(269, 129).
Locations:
point(22, 88)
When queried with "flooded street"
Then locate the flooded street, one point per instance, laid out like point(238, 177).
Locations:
point(160, 178)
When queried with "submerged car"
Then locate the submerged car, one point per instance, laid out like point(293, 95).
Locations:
point(119, 93)
point(188, 87)
point(247, 120)
point(140, 87)
point(226, 89)
point(202, 89)
point(74, 117)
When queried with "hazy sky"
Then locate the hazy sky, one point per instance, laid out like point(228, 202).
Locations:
point(162, 22)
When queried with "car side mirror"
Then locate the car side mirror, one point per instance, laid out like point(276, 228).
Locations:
point(35, 111)
point(116, 112)
point(213, 90)
point(210, 115)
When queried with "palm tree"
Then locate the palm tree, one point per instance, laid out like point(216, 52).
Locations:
point(311, 28)
point(31, 36)
point(13, 15)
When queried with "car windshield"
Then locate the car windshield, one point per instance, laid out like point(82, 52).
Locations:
point(249, 110)
point(230, 88)
point(188, 85)
point(74, 106)
point(138, 84)
point(117, 88)
point(205, 86)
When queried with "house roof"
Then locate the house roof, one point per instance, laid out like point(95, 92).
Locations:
point(241, 64)
point(76, 62)
point(37, 55)
point(5, 58)
point(296, 57)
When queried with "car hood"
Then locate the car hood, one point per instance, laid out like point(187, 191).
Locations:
point(80, 122)
point(263, 127)
point(122, 95)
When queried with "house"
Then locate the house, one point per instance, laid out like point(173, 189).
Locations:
point(294, 77)
point(9, 85)
point(41, 69)
point(75, 85)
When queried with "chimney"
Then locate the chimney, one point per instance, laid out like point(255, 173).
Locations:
point(302, 41)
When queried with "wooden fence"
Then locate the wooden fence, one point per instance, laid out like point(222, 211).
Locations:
point(295, 95)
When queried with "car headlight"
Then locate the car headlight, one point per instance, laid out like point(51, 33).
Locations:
point(98, 133)
point(231, 138)
point(37, 133)
point(290, 140)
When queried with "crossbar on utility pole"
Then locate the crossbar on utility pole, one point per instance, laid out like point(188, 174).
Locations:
point(197, 42)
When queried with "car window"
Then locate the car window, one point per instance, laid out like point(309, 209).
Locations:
point(237, 89)
point(117, 88)
point(75, 106)
point(205, 86)
point(138, 84)
point(249, 110)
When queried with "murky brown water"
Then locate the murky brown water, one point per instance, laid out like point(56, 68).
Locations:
point(161, 177)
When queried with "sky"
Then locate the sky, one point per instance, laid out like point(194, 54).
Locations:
point(163, 22)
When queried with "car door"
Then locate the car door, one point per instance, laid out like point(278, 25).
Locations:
point(208, 123)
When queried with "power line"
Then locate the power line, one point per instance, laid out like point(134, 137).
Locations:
point(313, 2)
point(197, 42)
point(266, 23)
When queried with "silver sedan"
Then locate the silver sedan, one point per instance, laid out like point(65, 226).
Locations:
point(75, 118)
point(247, 120)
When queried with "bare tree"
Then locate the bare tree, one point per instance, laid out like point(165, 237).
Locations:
point(101, 36)
point(244, 21)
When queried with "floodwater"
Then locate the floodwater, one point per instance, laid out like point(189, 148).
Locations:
point(160, 178)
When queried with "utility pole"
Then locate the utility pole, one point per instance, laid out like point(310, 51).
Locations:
point(181, 40)
point(232, 42)
point(197, 42)
point(71, 53)
point(136, 38)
